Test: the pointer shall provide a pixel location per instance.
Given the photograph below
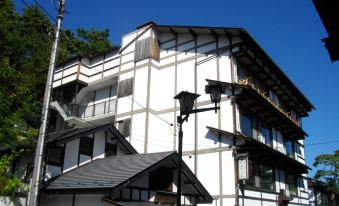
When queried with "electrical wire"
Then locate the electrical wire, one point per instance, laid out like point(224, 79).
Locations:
point(54, 20)
point(168, 141)
point(168, 123)
point(319, 143)
point(44, 10)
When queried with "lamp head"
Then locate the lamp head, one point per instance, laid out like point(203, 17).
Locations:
point(214, 88)
point(186, 100)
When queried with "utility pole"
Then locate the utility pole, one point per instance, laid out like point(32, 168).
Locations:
point(35, 184)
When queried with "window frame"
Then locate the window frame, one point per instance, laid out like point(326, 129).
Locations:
point(256, 178)
point(62, 155)
point(295, 185)
point(82, 149)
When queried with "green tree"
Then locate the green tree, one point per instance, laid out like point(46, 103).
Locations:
point(25, 46)
point(328, 171)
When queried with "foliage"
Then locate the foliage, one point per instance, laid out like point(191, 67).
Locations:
point(9, 183)
point(329, 169)
point(25, 46)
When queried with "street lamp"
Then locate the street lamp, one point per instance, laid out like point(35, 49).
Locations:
point(186, 100)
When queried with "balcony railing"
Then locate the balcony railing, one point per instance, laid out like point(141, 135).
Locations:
point(263, 94)
point(84, 112)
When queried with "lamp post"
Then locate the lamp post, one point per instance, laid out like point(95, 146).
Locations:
point(186, 100)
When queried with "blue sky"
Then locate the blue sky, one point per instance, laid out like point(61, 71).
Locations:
point(289, 31)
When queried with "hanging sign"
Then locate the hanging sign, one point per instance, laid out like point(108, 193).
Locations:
point(243, 166)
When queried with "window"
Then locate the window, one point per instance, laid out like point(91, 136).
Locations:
point(55, 155)
point(298, 149)
point(246, 125)
point(146, 48)
point(110, 149)
point(266, 134)
point(289, 149)
point(125, 87)
point(266, 177)
point(292, 184)
point(260, 176)
point(274, 97)
point(86, 146)
point(124, 127)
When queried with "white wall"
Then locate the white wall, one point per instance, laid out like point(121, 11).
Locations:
point(5, 201)
point(56, 200)
point(155, 85)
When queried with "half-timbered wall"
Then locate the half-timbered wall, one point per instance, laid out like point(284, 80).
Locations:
point(72, 153)
point(184, 61)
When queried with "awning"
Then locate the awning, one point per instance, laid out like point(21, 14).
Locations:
point(112, 175)
point(264, 153)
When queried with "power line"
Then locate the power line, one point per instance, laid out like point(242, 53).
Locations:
point(168, 123)
point(52, 18)
point(319, 143)
point(168, 141)
point(44, 10)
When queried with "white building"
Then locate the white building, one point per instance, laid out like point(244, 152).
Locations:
point(259, 121)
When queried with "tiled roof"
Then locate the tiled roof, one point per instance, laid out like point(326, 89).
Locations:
point(115, 173)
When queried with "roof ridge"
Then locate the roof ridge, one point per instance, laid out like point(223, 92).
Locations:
point(140, 154)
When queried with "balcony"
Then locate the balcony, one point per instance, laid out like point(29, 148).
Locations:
point(263, 94)
point(84, 112)
point(251, 57)
point(257, 101)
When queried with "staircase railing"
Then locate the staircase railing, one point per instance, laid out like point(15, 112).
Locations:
point(84, 112)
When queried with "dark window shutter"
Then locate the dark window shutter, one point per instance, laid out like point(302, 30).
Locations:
point(146, 48)
point(86, 146)
point(55, 155)
point(124, 127)
point(125, 88)
point(110, 150)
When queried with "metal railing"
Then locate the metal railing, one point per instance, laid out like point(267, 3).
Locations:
point(247, 82)
point(84, 112)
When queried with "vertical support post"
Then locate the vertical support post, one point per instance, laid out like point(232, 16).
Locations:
point(179, 161)
point(34, 190)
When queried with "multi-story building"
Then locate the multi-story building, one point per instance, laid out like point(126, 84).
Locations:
point(251, 152)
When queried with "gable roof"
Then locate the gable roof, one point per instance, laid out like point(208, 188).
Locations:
point(71, 134)
point(115, 173)
point(290, 91)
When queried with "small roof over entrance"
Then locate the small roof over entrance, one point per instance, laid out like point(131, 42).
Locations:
point(113, 175)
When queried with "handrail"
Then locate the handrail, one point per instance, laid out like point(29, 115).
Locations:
point(247, 82)
point(83, 112)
